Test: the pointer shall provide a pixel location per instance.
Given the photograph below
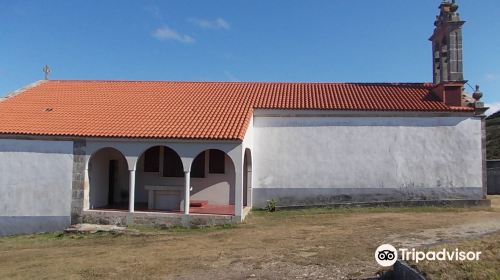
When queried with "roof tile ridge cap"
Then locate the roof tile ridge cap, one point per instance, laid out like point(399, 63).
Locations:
point(461, 107)
point(243, 82)
point(246, 123)
point(23, 89)
point(381, 83)
point(109, 81)
point(248, 82)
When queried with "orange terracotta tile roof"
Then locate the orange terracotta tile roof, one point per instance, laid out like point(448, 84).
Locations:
point(190, 110)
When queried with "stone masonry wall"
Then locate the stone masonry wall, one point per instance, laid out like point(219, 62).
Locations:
point(78, 181)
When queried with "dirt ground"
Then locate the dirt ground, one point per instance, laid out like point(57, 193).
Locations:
point(487, 268)
point(298, 244)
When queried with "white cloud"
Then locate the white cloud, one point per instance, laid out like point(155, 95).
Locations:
point(167, 33)
point(493, 108)
point(218, 23)
point(491, 77)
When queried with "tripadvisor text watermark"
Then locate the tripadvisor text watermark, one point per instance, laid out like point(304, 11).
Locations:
point(387, 255)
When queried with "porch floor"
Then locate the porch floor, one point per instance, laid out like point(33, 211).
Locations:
point(143, 207)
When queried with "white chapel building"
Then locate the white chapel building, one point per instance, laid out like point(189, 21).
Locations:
point(166, 152)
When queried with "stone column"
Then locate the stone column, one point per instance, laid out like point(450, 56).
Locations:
point(187, 191)
point(131, 207)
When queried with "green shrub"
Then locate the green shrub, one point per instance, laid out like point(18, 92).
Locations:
point(271, 205)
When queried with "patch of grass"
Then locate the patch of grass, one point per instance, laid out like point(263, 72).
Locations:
point(493, 138)
point(362, 210)
point(147, 229)
point(45, 239)
point(201, 228)
point(33, 238)
point(179, 229)
point(90, 273)
point(39, 236)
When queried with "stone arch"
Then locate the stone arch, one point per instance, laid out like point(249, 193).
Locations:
point(159, 166)
point(213, 177)
point(141, 154)
point(108, 179)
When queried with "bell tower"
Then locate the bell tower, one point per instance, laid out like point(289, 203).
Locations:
point(447, 44)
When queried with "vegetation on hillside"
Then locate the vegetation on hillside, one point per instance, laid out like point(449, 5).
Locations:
point(493, 136)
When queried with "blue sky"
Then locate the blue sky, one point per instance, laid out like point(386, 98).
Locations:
point(232, 40)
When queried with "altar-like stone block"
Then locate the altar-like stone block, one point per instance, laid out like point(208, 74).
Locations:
point(165, 197)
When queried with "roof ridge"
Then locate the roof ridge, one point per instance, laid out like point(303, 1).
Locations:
point(23, 89)
point(245, 82)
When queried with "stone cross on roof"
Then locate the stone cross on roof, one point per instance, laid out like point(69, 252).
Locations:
point(47, 71)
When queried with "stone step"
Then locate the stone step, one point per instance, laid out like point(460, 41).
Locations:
point(198, 203)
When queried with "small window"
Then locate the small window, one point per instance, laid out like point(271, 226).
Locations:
point(198, 166)
point(152, 160)
point(216, 162)
point(172, 164)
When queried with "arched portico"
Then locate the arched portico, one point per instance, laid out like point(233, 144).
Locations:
point(164, 177)
point(108, 180)
point(213, 182)
point(160, 180)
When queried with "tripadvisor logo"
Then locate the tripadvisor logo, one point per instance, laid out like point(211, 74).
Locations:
point(387, 255)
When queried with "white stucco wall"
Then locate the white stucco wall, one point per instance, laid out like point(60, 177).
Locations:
point(35, 185)
point(407, 154)
point(249, 135)
point(247, 174)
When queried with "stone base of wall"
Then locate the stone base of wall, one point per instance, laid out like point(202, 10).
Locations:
point(309, 197)
point(400, 204)
point(156, 219)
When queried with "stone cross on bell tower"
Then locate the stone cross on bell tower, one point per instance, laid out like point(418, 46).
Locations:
point(447, 44)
